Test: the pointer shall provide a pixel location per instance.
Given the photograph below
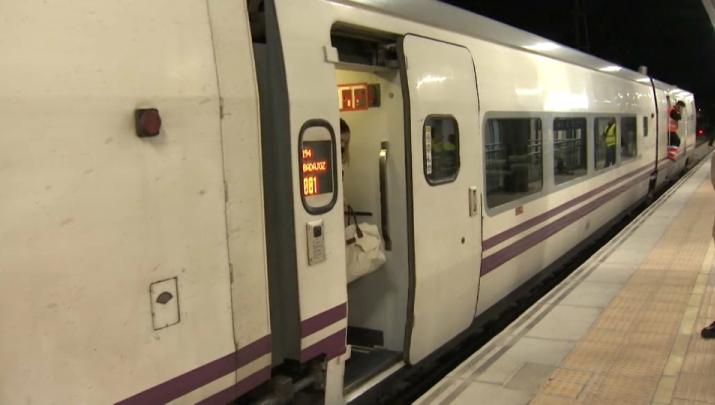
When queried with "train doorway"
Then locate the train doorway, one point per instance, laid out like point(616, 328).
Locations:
point(369, 88)
point(410, 168)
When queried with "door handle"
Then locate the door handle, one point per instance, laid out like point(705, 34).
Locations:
point(384, 221)
point(473, 203)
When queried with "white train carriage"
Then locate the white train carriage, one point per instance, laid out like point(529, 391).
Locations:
point(132, 267)
point(136, 266)
point(480, 151)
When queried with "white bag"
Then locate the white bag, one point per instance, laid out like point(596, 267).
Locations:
point(364, 250)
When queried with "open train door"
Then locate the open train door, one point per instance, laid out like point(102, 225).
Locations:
point(443, 134)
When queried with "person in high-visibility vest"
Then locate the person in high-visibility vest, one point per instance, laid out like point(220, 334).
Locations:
point(674, 115)
point(445, 154)
point(610, 137)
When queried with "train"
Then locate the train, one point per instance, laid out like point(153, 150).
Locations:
point(175, 189)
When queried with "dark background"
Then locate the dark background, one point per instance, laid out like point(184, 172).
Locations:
point(674, 39)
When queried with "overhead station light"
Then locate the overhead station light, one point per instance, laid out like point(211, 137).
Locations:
point(643, 80)
point(610, 68)
point(542, 46)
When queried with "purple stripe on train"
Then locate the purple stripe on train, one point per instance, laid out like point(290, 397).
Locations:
point(200, 376)
point(322, 320)
point(515, 249)
point(331, 346)
point(501, 237)
point(240, 388)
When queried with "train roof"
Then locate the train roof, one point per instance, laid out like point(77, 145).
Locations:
point(451, 18)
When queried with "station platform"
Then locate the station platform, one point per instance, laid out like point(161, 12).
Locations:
point(624, 328)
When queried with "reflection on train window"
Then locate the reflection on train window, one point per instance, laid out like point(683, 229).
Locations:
point(645, 126)
point(513, 159)
point(629, 141)
point(606, 140)
point(441, 146)
point(569, 149)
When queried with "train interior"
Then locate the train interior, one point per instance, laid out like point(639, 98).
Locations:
point(371, 105)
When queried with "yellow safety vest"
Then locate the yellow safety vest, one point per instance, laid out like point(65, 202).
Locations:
point(439, 147)
point(611, 135)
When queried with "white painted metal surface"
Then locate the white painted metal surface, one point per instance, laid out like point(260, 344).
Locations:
point(513, 82)
point(164, 298)
point(241, 146)
point(92, 215)
point(311, 88)
point(441, 82)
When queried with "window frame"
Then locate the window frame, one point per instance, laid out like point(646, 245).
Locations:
point(543, 117)
point(624, 158)
point(586, 139)
point(455, 175)
point(327, 206)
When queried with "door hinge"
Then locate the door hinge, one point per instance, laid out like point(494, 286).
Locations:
point(220, 107)
point(230, 272)
point(225, 192)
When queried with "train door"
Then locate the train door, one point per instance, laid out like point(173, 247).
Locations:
point(446, 241)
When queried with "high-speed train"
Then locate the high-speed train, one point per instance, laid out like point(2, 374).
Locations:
point(174, 188)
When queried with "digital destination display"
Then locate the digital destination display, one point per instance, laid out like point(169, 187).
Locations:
point(316, 170)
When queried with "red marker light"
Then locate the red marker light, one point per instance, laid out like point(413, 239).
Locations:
point(700, 131)
point(147, 122)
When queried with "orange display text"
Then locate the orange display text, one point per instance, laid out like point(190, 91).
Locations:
point(315, 168)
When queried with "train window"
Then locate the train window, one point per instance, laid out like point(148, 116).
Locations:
point(513, 159)
point(569, 149)
point(441, 146)
point(605, 138)
point(629, 140)
point(645, 126)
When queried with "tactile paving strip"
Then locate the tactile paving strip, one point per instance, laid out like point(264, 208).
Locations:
point(645, 346)
point(696, 387)
point(590, 356)
point(565, 383)
point(618, 389)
